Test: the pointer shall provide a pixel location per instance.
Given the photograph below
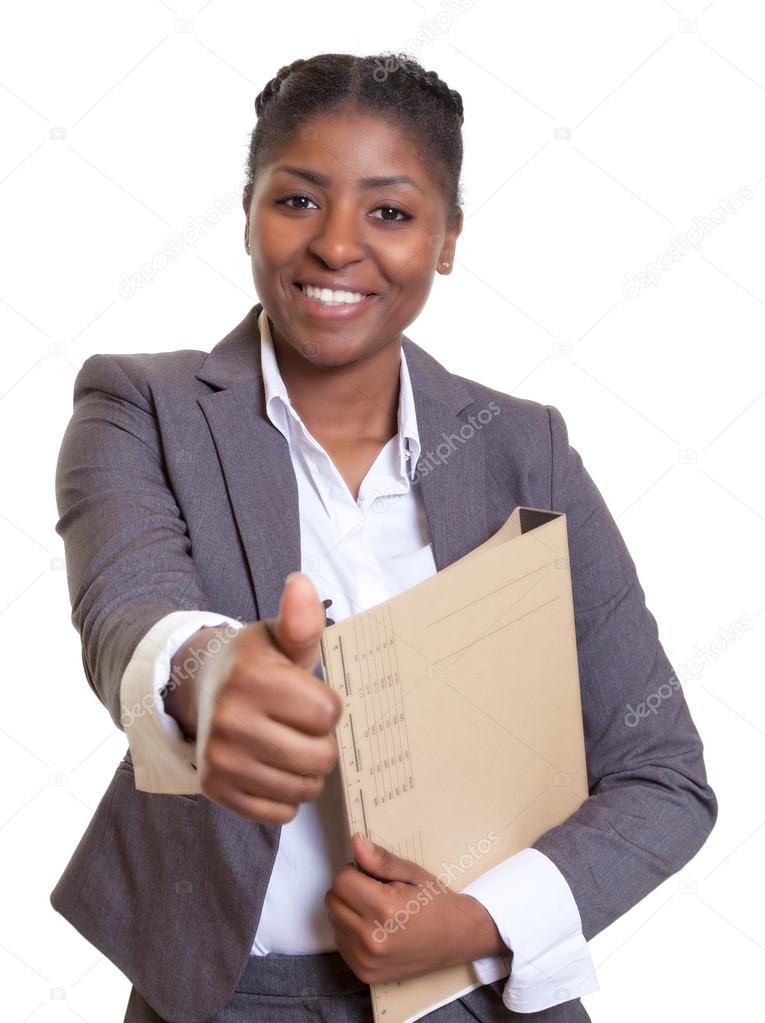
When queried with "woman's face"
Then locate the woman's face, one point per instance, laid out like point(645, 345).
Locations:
point(320, 215)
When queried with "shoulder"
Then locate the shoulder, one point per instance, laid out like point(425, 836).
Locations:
point(134, 376)
point(525, 422)
point(526, 444)
point(514, 424)
point(525, 441)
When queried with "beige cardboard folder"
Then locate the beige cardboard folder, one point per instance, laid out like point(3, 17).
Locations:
point(461, 738)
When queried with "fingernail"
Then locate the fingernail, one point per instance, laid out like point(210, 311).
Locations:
point(292, 575)
point(366, 842)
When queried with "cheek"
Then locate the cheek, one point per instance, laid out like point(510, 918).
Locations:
point(269, 245)
point(274, 238)
point(271, 253)
point(409, 261)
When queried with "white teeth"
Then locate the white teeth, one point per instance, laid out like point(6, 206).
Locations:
point(330, 297)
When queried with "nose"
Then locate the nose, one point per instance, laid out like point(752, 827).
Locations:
point(338, 240)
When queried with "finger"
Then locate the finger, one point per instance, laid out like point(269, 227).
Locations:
point(261, 780)
point(385, 865)
point(346, 931)
point(300, 622)
point(300, 700)
point(342, 915)
point(261, 740)
point(253, 808)
point(281, 692)
point(365, 895)
point(285, 691)
point(287, 749)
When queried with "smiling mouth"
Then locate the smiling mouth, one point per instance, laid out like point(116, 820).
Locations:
point(333, 296)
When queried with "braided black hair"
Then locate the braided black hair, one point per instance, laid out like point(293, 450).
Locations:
point(395, 86)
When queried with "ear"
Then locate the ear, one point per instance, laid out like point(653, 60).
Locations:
point(452, 233)
point(456, 222)
point(246, 209)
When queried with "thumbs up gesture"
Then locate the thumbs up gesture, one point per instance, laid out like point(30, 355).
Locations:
point(268, 735)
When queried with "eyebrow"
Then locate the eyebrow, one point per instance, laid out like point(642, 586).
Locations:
point(324, 181)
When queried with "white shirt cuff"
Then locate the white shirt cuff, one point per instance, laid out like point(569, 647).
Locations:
point(162, 756)
point(538, 919)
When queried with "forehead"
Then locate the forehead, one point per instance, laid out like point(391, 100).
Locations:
point(347, 145)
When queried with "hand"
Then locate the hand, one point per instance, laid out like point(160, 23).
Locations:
point(270, 740)
point(403, 921)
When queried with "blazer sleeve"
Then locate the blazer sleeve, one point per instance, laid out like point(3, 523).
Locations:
point(127, 547)
point(650, 808)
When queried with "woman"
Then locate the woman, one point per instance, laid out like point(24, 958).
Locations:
point(215, 873)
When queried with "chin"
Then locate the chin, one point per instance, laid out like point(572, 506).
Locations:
point(332, 352)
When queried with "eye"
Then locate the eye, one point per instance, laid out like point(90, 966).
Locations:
point(400, 215)
point(395, 209)
point(288, 198)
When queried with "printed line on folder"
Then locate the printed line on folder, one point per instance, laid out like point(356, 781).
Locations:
point(493, 632)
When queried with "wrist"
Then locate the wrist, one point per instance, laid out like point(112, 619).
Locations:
point(180, 694)
point(479, 935)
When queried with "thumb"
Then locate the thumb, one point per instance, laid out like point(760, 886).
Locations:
point(300, 621)
point(385, 865)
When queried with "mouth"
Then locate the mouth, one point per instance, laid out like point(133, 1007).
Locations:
point(326, 303)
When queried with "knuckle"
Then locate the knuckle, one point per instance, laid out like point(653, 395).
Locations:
point(320, 765)
point(267, 641)
point(328, 713)
point(327, 758)
point(246, 676)
point(386, 860)
point(385, 909)
point(224, 719)
point(312, 785)
point(364, 972)
point(215, 758)
point(372, 949)
point(263, 816)
point(284, 813)
point(252, 657)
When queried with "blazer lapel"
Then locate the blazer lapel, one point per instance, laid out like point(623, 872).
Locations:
point(261, 483)
point(451, 467)
point(262, 489)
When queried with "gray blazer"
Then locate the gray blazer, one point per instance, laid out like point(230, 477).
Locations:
point(175, 491)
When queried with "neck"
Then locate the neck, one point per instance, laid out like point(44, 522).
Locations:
point(343, 404)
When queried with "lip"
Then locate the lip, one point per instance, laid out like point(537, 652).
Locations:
point(341, 311)
point(336, 285)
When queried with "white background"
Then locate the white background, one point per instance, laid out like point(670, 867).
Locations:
point(595, 133)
